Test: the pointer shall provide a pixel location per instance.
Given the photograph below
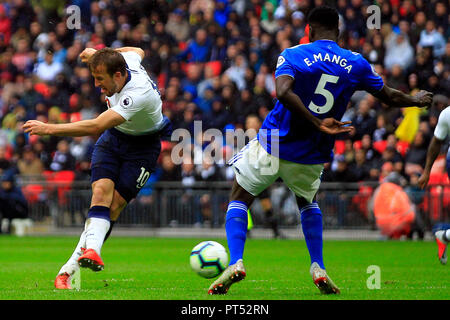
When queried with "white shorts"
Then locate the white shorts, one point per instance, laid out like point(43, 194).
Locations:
point(255, 170)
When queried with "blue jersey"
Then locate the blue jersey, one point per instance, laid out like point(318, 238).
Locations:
point(325, 78)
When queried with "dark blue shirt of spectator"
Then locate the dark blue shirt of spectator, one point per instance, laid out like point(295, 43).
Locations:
point(199, 49)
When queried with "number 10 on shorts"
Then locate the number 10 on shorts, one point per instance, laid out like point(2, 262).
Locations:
point(143, 177)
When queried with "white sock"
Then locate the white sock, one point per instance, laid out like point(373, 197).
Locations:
point(72, 264)
point(443, 235)
point(96, 229)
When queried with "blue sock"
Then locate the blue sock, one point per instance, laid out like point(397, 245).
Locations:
point(236, 228)
point(99, 212)
point(311, 218)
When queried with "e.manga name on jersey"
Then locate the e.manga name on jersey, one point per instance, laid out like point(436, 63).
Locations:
point(342, 62)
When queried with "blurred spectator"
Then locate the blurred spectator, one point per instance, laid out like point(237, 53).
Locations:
point(398, 52)
point(342, 173)
point(62, 159)
point(5, 26)
point(30, 165)
point(170, 172)
point(360, 168)
point(416, 155)
point(48, 69)
point(13, 204)
point(430, 37)
point(199, 49)
point(364, 120)
point(178, 26)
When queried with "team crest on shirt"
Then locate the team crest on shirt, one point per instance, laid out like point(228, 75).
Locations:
point(126, 101)
point(280, 61)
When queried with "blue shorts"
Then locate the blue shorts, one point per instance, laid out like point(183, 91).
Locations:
point(127, 160)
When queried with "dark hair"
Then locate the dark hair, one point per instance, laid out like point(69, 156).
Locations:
point(111, 59)
point(324, 16)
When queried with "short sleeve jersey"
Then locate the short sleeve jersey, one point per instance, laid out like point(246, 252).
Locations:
point(325, 77)
point(139, 101)
point(442, 130)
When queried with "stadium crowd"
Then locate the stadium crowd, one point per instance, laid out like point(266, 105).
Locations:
point(214, 61)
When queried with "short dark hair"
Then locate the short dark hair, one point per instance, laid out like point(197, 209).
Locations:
point(324, 16)
point(111, 59)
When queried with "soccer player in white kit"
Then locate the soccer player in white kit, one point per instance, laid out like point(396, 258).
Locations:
point(125, 154)
point(441, 132)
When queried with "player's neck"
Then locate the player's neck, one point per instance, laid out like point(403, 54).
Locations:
point(325, 37)
point(122, 82)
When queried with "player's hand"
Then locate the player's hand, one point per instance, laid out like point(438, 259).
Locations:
point(423, 180)
point(86, 54)
point(34, 127)
point(333, 126)
point(425, 98)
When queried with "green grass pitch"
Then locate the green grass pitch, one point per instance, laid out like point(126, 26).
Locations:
point(158, 269)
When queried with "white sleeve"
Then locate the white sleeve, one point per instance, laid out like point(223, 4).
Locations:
point(442, 129)
point(132, 59)
point(128, 106)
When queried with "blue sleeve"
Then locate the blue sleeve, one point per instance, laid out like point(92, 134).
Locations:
point(284, 67)
point(369, 80)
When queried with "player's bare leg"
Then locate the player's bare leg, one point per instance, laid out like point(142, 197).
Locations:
point(236, 228)
point(63, 279)
point(97, 224)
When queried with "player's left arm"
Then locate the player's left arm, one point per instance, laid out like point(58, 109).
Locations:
point(398, 99)
point(105, 120)
point(370, 81)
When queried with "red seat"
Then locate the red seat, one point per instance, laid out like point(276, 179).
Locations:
point(216, 66)
point(380, 146)
point(32, 192)
point(402, 147)
point(63, 181)
point(339, 146)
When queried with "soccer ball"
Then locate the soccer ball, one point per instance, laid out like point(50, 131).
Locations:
point(209, 259)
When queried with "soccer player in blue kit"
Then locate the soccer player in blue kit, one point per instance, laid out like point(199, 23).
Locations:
point(314, 83)
point(125, 154)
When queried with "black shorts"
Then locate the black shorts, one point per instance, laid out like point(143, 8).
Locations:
point(125, 159)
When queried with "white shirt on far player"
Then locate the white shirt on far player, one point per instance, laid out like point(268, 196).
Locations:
point(442, 129)
point(139, 101)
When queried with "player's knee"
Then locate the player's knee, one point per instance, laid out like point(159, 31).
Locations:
point(101, 195)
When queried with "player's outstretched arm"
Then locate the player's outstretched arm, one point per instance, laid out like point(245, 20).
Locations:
point(398, 99)
point(293, 102)
point(105, 120)
point(433, 152)
point(139, 51)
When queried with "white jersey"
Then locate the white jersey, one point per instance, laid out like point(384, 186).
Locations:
point(442, 130)
point(139, 101)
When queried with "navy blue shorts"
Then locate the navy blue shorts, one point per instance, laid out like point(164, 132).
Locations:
point(127, 160)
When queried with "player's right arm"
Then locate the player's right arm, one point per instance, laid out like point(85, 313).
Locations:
point(440, 133)
point(432, 154)
point(87, 53)
point(90, 127)
point(293, 103)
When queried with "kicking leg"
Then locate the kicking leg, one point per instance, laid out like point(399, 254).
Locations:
point(97, 224)
point(63, 278)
